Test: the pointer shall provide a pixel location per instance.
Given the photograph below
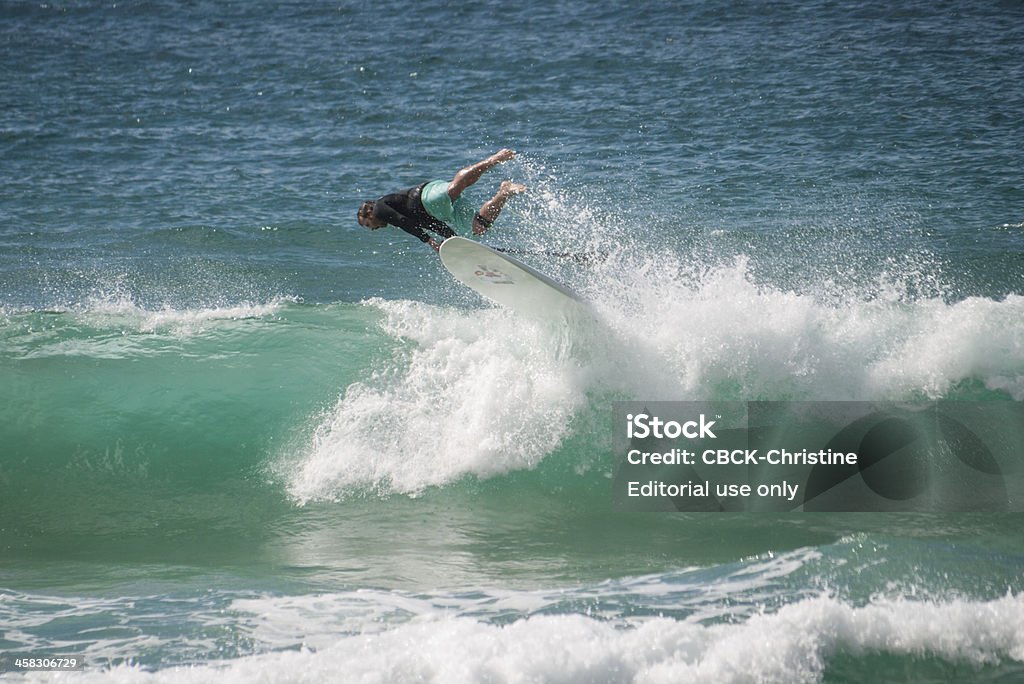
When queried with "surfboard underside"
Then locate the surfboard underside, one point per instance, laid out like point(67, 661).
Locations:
point(508, 282)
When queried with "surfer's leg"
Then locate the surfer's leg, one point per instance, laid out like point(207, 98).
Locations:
point(471, 174)
point(491, 208)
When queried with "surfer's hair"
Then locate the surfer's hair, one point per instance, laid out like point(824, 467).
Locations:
point(365, 210)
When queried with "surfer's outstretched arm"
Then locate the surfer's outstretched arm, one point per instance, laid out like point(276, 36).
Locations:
point(471, 174)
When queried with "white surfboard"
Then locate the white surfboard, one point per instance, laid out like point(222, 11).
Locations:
point(508, 282)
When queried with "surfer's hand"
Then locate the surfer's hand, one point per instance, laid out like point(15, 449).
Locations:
point(435, 244)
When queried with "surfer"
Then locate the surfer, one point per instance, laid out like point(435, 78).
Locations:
point(434, 205)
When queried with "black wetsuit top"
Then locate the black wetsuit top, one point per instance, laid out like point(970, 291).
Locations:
point(405, 210)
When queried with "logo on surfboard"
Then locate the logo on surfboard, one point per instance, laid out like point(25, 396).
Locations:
point(492, 275)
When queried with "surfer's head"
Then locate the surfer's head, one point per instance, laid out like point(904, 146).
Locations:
point(366, 217)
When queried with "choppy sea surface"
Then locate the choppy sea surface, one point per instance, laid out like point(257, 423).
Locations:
point(243, 439)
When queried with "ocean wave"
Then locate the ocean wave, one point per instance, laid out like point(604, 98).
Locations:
point(181, 321)
point(843, 611)
point(718, 316)
point(118, 327)
point(800, 642)
point(481, 392)
point(478, 392)
point(719, 333)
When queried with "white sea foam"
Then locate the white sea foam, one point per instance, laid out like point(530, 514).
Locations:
point(792, 645)
point(479, 392)
point(117, 327)
point(126, 312)
point(482, 392)
point(720, 334)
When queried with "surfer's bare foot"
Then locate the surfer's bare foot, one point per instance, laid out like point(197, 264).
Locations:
point(508, 188)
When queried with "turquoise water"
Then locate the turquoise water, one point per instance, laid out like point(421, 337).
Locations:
point(243, 438)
